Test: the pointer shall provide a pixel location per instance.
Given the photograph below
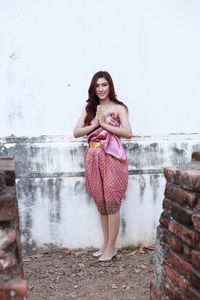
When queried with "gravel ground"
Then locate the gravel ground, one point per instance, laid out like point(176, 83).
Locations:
point(68, 274)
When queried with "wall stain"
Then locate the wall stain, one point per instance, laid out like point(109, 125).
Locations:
point(178, 155)
point(142, 186)
point(154, 182)
point(123, 226)
point(53, 189)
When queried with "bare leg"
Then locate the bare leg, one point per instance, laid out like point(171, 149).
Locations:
point(104, 224)
point(113, 229)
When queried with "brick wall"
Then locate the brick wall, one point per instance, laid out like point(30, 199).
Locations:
point(177, 249)
point(12, 284)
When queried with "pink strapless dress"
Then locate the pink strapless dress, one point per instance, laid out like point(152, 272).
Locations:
point(106, 168)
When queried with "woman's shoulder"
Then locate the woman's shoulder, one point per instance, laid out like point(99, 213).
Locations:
point(119, 109)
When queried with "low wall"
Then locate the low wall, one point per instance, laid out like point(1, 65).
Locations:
point(55, 209)
point(12, 285)
point(177, 251)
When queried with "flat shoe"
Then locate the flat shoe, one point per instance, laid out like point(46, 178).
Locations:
point(102, 258)
point(97, 253)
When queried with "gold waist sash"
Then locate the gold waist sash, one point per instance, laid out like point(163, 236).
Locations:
point(94, 145)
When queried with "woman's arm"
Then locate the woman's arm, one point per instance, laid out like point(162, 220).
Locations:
point(80, 128)
point(125, 129)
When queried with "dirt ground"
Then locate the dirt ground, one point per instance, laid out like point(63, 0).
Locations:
point(66, 275)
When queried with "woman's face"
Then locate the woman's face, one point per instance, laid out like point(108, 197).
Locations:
point(102, 89)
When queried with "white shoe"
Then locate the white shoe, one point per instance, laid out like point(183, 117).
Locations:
point(97, 253)
point(102, 258)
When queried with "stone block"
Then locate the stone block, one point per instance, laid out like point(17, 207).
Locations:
point(172, 293)
point(169, 173)
point(167, 205)
point(155, 293)
point(196, 221)
point(186, 235)
point(187, 177)
point(7, 261)
point(198, 204)
point(17, 285)
point(196, 156)
point(180, 265)
point(190, 179)
point(186, 253)
point(181, 196)
point(182, 283)
point(8, 210)
point(195, 279)
point(7, 237)
point(182, 215)
point(195, 259)
point(2, 182)
point(164, 219)
point(174, 242)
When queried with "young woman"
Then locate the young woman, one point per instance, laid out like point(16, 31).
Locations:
point(104, 120)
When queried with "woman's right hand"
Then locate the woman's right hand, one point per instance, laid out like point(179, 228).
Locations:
point(80, 128)
point(96, 123)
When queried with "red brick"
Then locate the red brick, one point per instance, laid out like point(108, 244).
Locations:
point(196, 221)
point(169, 173)
point(192, 294)
point(17, 284)
point(182, 283)
point(198, 204)
point(7, 237)
point(188, 179)
point(10, 178)
point(196, 156)
point(195, 259)
point(2, 182)
point(155, 291)
point(172, 292)
point(186, 253)
point(4, 295)
point(183, 267)
point(167, 205)
point(181, 196)
point(8, 210)
point(182, 215)
point(172, 275)
point(7, 261)
point(185, 234)
point(195, 279)
point(164, 219)
point(173, 241)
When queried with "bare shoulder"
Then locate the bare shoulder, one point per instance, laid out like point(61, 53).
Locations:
point(119, 110)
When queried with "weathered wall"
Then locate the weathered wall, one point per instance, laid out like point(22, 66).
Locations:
point(50, 49)
point(55, 209)
point(177, 248)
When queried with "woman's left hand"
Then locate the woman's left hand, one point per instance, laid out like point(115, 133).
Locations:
point(100, 115)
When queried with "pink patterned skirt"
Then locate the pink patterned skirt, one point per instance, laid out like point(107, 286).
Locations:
point(106, 179)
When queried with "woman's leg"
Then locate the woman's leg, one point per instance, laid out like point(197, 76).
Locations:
point(104, 224)
point(113, 229)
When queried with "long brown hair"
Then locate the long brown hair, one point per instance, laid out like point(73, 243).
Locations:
point(93, 100)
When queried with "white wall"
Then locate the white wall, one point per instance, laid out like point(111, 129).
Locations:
point(49, 50)
point(55, 209)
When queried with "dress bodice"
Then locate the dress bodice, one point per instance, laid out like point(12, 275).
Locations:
point(110, 142)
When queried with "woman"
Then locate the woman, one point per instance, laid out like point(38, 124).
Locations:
point(104, 120)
